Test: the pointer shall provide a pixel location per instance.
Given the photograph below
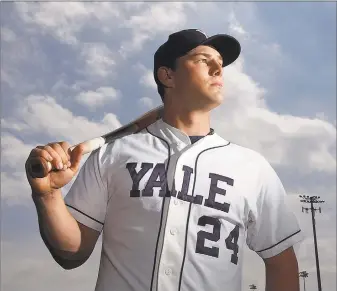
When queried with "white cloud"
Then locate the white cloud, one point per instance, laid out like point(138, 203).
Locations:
point(235, 27)
point(148, 82)
point(322, 116)
point(111, 120)
point(59, 18)
point(64, 20)
point(155, 19)
point(258, 44)
point(14, 151)
point(146, 79)
point(98, 58)
point(43, 115)
point(146, 102)
point(16, 53)
point(18, 126)
point(159, 17)
point(98, 98)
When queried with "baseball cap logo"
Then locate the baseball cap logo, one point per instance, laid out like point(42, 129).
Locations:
point(202, 32)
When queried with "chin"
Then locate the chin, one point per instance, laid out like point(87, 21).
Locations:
point(216, 98)
point(211, 102)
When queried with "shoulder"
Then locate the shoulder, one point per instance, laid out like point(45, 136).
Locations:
point(249, 162)
point(112, 151)
point(243, 153)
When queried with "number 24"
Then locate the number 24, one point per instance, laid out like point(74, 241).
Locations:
point(231, 240)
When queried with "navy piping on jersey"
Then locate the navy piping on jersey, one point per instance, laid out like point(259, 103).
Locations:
point(279, 241)
point(84, 214)
point(162, 207)
point(189, 210)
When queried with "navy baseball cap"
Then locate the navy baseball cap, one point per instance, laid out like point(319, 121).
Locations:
point(181, 42)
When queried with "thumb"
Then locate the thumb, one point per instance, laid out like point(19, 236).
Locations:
point(75, 157)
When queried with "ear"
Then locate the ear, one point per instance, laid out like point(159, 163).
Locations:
point(165, 76)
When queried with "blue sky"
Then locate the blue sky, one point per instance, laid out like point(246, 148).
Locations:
point(71, 71)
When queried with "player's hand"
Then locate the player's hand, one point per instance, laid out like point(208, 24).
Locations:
point(62, 167)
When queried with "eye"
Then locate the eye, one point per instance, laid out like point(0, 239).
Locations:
point(203, 60)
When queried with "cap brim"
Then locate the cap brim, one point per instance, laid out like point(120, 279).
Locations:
point(228, 47)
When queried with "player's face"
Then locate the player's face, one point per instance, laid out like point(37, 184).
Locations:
point(198, 78)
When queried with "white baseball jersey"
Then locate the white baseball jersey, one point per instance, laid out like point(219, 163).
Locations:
point(175, 216)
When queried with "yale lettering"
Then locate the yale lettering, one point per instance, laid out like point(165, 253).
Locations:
point(157, 179)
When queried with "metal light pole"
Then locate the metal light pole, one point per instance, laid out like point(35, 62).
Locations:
point(304, 275)
point(312, 200)
point(252, 287)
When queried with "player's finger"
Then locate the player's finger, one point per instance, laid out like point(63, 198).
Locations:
point(40, 152)
point(62, 152)
point(66, 146)
point(36, 155)
point(56, 155)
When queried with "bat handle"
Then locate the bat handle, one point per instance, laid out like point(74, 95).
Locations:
point(40, 168)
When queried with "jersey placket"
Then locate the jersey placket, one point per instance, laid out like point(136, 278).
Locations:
point(172, 232)
point(174, 236)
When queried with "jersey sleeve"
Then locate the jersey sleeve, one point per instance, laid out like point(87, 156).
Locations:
point(87, 198)
point(272, 227)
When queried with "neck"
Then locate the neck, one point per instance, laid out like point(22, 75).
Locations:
point(190, 122)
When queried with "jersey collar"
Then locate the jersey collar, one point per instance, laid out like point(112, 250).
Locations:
point(171, 134)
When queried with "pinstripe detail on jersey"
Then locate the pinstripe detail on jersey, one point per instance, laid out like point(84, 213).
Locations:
point(162, 208)
point(189, 209)
point(279, 241)
point(84, 214)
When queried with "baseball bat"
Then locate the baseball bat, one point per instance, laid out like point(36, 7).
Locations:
point(38, 168)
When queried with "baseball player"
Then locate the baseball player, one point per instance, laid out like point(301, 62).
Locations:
point(175, 203)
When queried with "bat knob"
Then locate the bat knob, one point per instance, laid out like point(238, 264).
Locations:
point(38, 169)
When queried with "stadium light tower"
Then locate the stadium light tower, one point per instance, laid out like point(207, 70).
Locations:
point(304, 274)
point(312, 200)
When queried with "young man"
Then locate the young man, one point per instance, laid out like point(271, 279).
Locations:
point(176, 202)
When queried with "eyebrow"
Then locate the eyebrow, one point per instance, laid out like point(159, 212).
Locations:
point(206, 55)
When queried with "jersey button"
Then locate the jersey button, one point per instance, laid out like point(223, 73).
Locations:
point(173, 231)
point(168, 272)
point(176, 202)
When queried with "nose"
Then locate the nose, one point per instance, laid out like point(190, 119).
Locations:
point(215, 69)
